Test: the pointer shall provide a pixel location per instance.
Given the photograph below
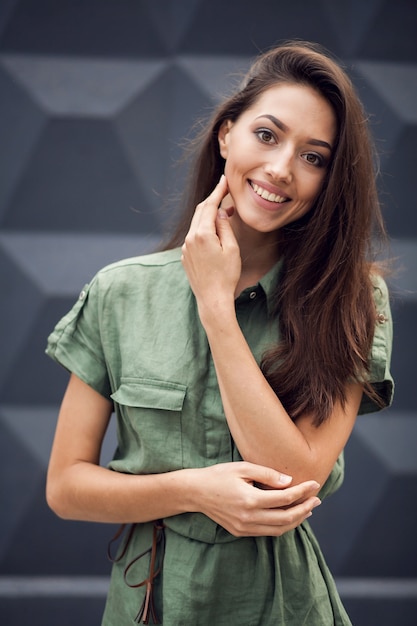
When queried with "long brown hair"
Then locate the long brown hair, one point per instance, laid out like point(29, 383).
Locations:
point(323, 302)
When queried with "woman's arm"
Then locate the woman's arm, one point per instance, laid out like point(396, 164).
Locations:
point(78, 488)
point(262, 429)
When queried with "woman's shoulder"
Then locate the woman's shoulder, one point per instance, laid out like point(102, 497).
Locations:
point(380, 289)
point(378, 281)
point(140, 268)
point(154, 259)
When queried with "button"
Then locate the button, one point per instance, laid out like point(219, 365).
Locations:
point(381, 318)
point(252, 295)
point(82, 295)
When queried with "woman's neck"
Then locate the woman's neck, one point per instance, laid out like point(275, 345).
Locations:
point(259, 253)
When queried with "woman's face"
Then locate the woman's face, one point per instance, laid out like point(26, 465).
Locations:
point(277, 153)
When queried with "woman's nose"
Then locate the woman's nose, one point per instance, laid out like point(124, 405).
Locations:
point(280, 165)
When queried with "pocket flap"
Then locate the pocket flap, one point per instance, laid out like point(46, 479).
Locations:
point(150, 394)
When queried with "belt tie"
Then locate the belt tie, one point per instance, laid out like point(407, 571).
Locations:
point(147, 608)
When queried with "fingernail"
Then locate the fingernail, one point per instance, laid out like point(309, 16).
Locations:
point(222, 177)
point(284, 479)
point(317, 503)
point(222, 214)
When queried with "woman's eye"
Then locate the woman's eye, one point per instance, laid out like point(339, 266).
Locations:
point(313, 159)
point(265, 135)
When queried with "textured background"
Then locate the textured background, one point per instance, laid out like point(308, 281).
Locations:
point(95, 98)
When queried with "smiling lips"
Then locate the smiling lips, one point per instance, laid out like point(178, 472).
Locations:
point(267, 195)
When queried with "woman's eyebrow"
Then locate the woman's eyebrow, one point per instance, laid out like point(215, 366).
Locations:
point(279, 124)
point(275, 121)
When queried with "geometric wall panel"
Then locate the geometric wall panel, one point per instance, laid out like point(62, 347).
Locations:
point(20, 302)
point(61, 263)
point(366, 480)
point(33, 539)
point(392, 438)
point(397, 83)
point(160, 116)
point(94, 88)
point(381, 459)
point(95, 174)
point(395, 88)
point(373, 555)
point(391, 33)
point(21, 122)
point(403, 360)
point(96, 101)
point(240, 34)
point(28, 476)
point(82, 28)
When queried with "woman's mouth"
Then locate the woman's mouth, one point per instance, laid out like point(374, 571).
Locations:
point(268, 195)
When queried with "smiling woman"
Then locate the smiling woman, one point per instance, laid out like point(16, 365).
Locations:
point(270, 147)
point(236, 360)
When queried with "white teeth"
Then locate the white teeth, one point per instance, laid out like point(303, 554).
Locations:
point(272, 197)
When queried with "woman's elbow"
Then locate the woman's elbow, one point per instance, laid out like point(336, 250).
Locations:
point(56, 497)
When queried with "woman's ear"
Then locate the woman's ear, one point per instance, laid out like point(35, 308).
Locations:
point(223, 137)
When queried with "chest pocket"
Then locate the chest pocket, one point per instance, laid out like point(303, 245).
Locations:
point(150, 430)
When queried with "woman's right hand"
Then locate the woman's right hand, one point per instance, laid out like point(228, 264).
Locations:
point(252, 500)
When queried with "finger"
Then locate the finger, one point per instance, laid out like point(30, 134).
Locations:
point(214, 199)
point(225, 232)
point(286, 498)
point(274, 522)
point(265, 476)
point(287, 517)
point(206, 211)
point(218, 193)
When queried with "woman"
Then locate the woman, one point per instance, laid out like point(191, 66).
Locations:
point(236, 361)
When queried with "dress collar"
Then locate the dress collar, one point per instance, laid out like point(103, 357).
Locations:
point(266, 286)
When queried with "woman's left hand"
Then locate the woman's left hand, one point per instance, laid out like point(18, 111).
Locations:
point(211, 255)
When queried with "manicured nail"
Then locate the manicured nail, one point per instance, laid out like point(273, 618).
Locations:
point(317, 503)
point(284, 479)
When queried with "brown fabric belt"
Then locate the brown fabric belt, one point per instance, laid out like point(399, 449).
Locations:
point(147, 609)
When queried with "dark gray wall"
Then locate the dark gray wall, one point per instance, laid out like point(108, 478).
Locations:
point(95, 96)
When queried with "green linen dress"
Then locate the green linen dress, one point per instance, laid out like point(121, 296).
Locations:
point(135, 336)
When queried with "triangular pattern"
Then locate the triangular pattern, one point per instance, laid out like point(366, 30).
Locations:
point(351, 20)
point(34, 428)
point(397, 85)
point(6, 10)
point(160, 116)
point(362, 467)
point(84, 29)
point(172, 19)
point(27, 475)
point(22, 304)
point(21, 124)
point(217, 76)
point(61, 263)
point(93, 88)
point(219, 28)
point(97, 178)
point(391, 35)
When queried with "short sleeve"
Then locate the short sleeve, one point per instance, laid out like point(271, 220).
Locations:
point(380, 357)
point(75, 342)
